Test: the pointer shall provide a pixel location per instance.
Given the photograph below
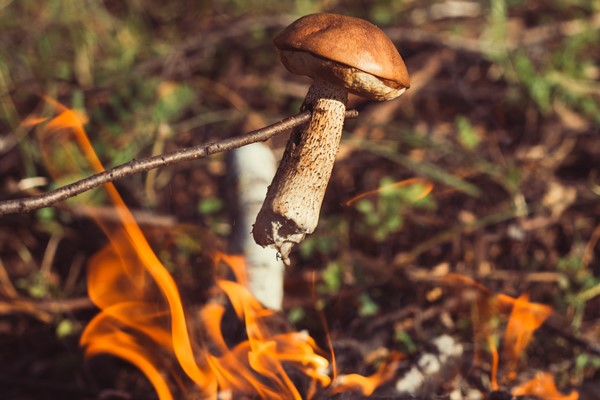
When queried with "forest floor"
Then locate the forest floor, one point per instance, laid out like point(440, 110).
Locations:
point(479, 186)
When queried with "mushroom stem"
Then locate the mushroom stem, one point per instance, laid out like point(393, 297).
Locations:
point(291, 208)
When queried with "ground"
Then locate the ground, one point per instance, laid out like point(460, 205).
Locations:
point(500, 123)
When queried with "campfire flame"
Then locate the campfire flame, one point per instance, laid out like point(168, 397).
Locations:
point(524, 319)
point(144, 322)
point(427, 187)
point(543, 387)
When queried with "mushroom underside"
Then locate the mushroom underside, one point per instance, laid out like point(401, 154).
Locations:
point(356, 81)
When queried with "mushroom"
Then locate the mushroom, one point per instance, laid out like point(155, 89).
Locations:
point(341, 54)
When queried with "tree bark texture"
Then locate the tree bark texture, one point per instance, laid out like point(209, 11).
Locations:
point(253, 167)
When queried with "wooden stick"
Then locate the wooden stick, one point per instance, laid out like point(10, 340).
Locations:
point(27, 204)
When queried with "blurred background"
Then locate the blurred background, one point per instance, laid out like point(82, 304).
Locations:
point(502, 120)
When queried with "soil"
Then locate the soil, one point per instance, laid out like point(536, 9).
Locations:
point(514, 206)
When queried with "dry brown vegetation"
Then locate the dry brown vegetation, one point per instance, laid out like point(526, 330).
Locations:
point(502, 119)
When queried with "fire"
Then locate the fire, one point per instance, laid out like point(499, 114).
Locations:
point(427, 187)
point(368, 384)
point(143, 319)
point(524, 319)
point(543, 387)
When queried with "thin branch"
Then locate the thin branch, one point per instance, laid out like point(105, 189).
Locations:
point(208, 39)
point(27, 204)
point(526, 38)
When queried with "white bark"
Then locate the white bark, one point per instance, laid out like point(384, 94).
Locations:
point(253, 167)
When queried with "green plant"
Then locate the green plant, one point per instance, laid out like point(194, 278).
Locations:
point(67, 327)
point(405, 342)
point(585, 363)
point(580, 284)
point(329, 238)
point(333, 278)
point(38, 285)
point(367, 307)
point(385, 215)
point(467, 136)
point(564, 74)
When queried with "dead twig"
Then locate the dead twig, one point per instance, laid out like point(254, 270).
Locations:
point(108, 214)
point(7, 289)
point(529, 38)
point(209, 39)
point(562, 326)
point(44, 310)
point(146, 164)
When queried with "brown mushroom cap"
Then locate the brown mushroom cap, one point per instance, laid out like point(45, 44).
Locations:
point(351, 42)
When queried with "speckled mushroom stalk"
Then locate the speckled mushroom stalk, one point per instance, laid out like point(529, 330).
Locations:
point(342, 54)
point(293, 203)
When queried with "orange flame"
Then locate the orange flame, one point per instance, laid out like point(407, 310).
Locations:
point(235, 263)
point(485, 308)
point(427, 188)
point(542, 386)
point(494, 363)
point(368, 384)
point(525, 318)
point(143, 320)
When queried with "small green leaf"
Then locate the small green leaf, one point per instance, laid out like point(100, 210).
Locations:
point(65, 328)
point(296, 315)
point(368, 307)
point(332, 278)
point(210, 206)
point(467, 136)
point(406, 342)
